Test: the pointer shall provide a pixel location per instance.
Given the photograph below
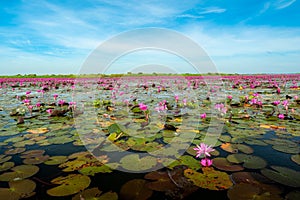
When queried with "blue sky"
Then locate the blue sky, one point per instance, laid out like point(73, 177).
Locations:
point(240, 36)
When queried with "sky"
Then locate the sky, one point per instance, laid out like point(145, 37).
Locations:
point(238, 36)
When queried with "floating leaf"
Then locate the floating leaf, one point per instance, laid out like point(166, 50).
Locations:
point(249, 177)
point(56, 160)
point(36, 160)
point(249, 161)
point(91, 171)
point(19, 173)
point(249, 191)
point(296, 158)
point(135, 189)
point(32, 153)
point(6, 166)
point(283, 175)
point(133, 162)
point(287, 149)
point(68, 185)
point(172, 182)
point(235, 148)
point(18, 190)
point(4, 158)
point(186, 160)
point(14, 151)
point(209, 179)
point(293, 195)
point(38, 130)
point(223, 164)
point(95, 194)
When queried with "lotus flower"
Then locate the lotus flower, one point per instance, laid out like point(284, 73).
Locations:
point(206, 162)
point(203, 149)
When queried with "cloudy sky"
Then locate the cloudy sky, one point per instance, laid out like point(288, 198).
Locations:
point(239, 36)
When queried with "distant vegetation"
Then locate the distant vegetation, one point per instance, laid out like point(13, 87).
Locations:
point(113, 75)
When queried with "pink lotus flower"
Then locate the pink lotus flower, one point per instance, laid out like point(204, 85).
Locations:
point(275, 103)
point(229, 97)
point(206, 162)
point(49, 111)
point(203, 116)
point(281, 116)
point(203, 149)
point(55, 96)
point(143, 107)
point(176, 98)
point(26, 101)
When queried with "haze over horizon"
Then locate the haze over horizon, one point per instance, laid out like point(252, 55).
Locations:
point(244, 37)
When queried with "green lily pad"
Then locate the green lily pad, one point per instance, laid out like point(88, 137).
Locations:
point(18, 190)
point(235, 148)
point(56, 160)
point(68, 185)
point(24, 143)
point(249, 161)
point(36, 160)
point(95, 194)
point(91, 171)
point(6, 166)
point(283, 175)
point(19, 173)
point(287, 149)
point(4, 158)
point(186, 160)
point(223, 164)
point(209, 179)
point(249, 177)
point(135, 189)
point(133, 162)
point(296, 158)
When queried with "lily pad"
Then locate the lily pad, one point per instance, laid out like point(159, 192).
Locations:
point(135, 189)
point(4, 158)
point(283, 175)
point(95, 194)
point(36, 160)
point(19, 173)
point(296, 158)
point(68, 185)
point(38, 130)
point(91, 171)
point(209, 179)
point(249, 191)
point(249, 161)
point(32, 153)
point(223, 164)
point(293, 195)
point(56, 160)
point(172, 182)
point(235, 148)
point(14, 151)
point(133, 162)
point(18, 190)
point(6, 166)
point(186, 160)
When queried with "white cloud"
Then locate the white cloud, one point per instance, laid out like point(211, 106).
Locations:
point(281, 4)
point(211, 10)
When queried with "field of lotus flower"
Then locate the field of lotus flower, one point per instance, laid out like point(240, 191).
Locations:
point(150, 137)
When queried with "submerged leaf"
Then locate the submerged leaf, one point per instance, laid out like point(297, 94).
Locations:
point(135, 189)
